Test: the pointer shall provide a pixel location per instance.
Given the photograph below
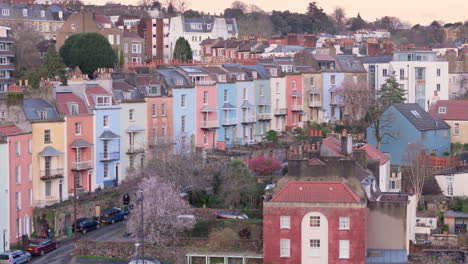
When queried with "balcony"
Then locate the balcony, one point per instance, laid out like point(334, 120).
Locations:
point(230, 122)
point(205, 82)
point(264, 116)
point(82, 165)
point(208, 124)
point(51, 174)
point(135, 150)
point(109, 156)
point(315, 104)
point(296, 108)
point(281, 111)
point(248, 119)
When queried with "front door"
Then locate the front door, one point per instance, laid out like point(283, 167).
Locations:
point(117, 172)
point(60, 191)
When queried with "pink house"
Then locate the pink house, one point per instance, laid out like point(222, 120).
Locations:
point(21, 196)
point(79, 127)
point(294, 100)
point(206, 115)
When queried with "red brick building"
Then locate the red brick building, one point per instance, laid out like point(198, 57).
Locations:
point(315, 222)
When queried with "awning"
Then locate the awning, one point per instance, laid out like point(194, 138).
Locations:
point(80, 143)
point(296, 94)
point(314, 91)
point(246, 104)
point(107, 134)
point(135, 128)
point(207, 108)
point(228, 106)
point(50, 151)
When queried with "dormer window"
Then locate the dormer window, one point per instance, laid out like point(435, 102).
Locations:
point(5, 12)
point(127, 95)
point(229, 27)
point(196, 26)
point(442, 109)
point(179, 81)
point(274, 72)
point(208, 26)
point(42, 13)
point(25, 12)
point(74, 109)
point(103, 100)
point(43, 114)
point(222, 78)
point(154, 90)
point(254, 75)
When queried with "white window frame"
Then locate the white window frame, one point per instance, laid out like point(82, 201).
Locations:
point(182, 124)
point(18, 174)
point(154, 110)
point(47, 136)
point(110, 38)
point(78, 129)
point(285, 222)
point(5, 12)
point(105, 121)
point(30, 197)
point(183, 102)
point(163, 109)
point(136, 48)
point(294, 85)
point(205, 97)
point(442, 109)
point(285, 248)
point(42, 13)
point(103, 100)
point(314, 250)
point(18, 148)
point(205, 137)
point(344, 249)
point(314, 221)
point(105, 170)
point(48, 188)
point(30, 172)
point(131, 115)
point(344, 223)
point(74, 109)
point(456, 129)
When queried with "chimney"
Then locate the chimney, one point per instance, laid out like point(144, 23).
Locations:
point(360, 155)
point(349, 144)
point(344, 143)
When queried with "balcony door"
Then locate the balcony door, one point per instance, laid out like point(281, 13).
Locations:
point(47, 165)
point(78, 155)
point(106, 149)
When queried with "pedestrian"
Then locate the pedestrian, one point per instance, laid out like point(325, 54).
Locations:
point(126, 199)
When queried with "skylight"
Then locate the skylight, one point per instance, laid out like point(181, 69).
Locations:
point(415, 113)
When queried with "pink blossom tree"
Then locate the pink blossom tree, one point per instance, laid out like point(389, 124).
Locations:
point(162, 205)
point(261, 165)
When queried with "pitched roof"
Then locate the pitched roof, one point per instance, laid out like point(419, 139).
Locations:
point(373, 153)
point(80, 143)
point(64, 99)
point(316, 192)
point(375, 59)
point(33, 107)
point(455, 109)
point(420, 119)
point(333, 144)
point(146, 79)
point(10, 130)
point(349, 63)
point(94, 89)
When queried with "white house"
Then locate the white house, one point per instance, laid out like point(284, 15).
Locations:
point(195, 30)
point(4, 195)
point(278, 99)
point(387, 181)
point(453, 182)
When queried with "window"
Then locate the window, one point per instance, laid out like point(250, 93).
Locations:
point(315, 221)
point(105, 121)
point(18, 227)
point(205, 97)
point(18, 200)
point(392, 184)
point(5, 12)
point(293, 85)
point(225, 95)
point(77, 128)
point(262, 88)
point(18, 175)
point(73, 27)
point(154, 134)
point(155, 89)
point(438, 72)
point(163, 109)
point(42, 13)
point(285, 222)
point(205, 138)
point(117, 39)
point(30, 172)
point(74, 109)
point(402, 74)
point(182, 101)
point(2, 115)
point(125, 47)
point(18, 148)
point(111, 39)
point(46, 136)
point(30, 198)
point(48, 188)
point(333, 79)
point(136, 48)
point(442, 109)
point(450, 185)
point(385, 72)
point(420, 74)
point(314, 247)
point(415, 113)
point(154, 110)
point(182, 123)
point(103, 100)
point(456, 129)
point(244, 93)
point(344, 222)
point(438, 87)
point(284, 248)
point(25, 12)
point(131, 114)
point(136, 59)
point(106, 170)
point(163, 130)
point(344, 249)
point(43, 114)
point(254, 75)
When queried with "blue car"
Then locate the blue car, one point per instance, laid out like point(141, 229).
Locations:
point(15, 257)
point(112, 215)
point(84, 225)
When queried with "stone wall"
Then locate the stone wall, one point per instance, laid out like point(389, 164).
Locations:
point(442, 240)
point(439, 257)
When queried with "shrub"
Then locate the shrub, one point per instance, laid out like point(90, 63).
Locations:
point(223, 238)
point(465, 146)
point(262, 165)
point(272, 136)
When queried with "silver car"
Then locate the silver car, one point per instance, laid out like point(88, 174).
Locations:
point(15, 257)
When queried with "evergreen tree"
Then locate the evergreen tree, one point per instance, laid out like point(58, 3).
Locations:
point(53, 63)
point(182, 50)
point(121, 59)
point(391, 93)
point(356, 23)
point(65, 50)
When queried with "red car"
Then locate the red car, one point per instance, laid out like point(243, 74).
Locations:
point(42, 246)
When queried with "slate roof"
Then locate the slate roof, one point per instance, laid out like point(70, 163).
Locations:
point(204, 21)
point(10, 130)
point(171, 75)
point(49, 151)
point(424, 121)
point(33, 12)
point(386, 256)
point(107, 134)
point(373, 153)
point(316, 192)
point(260, 69)
point(287, 48)
point(375, 59)
point(64, 99)
point(146, 79)
point(80, 143)
point(33, 107)
point(456, 109)
point(214, 69)
point(456, 214)
point(349, 63)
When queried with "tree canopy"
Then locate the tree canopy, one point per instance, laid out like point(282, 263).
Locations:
point(53, 63)
point(182, 50)
point(391, 93)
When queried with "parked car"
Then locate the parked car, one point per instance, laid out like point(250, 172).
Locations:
point(42, 246)
point(84, 225)
point(15, 257)
point(231, 215)
point(140, 260)
point(112, 215)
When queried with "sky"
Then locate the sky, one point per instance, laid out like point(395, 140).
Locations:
point(412, 11)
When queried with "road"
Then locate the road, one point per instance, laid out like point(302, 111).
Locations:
point(62, 255)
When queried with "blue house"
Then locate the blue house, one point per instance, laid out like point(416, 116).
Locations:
point(409, 125)
point(331, 100)
point(184, 116)
point(106, 134)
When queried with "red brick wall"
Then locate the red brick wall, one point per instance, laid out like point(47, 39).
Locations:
point(159, 38)
point(272, 233)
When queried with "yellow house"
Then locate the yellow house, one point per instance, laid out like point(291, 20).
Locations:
point(455, 113)
point(312, 86)
point(48, 152)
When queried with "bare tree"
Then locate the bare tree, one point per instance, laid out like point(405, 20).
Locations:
point(239, 5)
point(27, 39)
point(417, 166)
point(182, 5)
point(162, 206)
point(340, 18)
point(357, 98)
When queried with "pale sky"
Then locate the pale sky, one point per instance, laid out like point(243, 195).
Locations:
point(413, 11)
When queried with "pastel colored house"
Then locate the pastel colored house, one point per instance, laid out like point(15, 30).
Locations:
point(20, 182)
point(49, 150)
point(80, 141)
point(332, 102)
point(312, 86)
point(183, 109)
point(455, 113)
point(4, 194)
point(294, 100)
point(278, 98)
point(133, 125)
point(107, 129)
point(327, 227)
point(453, 181)
point(411, 125)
